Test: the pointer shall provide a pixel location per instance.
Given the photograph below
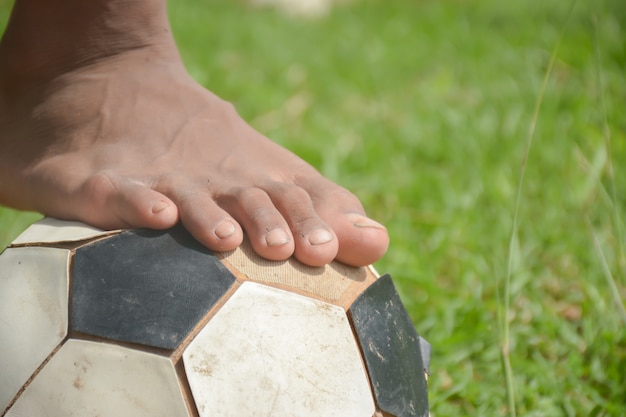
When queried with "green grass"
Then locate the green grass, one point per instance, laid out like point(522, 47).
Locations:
point(423, 110)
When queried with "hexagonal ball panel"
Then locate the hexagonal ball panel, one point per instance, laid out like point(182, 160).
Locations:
point(269, 352)
point(336, 283)
point(146, 287)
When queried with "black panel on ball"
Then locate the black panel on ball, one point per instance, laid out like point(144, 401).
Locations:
point(144, 286)
point(391, 348)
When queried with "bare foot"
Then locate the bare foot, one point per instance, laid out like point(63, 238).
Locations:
point(101, 123)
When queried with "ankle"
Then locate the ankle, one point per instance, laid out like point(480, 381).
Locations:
point(46, 38)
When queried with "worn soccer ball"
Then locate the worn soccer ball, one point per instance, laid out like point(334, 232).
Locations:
point(150, 323)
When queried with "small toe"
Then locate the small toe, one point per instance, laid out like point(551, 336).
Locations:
point(267, 230)
point(109, 201)
point(207, 222)
point(315, 241)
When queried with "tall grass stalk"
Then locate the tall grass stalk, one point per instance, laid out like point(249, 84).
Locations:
point(606, 132)
point(617, 221)
point(505, 316)
point(607, 272)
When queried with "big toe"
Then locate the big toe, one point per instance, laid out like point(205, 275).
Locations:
point(362, 241)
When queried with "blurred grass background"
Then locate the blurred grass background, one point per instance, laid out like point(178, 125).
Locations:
point(423, 108)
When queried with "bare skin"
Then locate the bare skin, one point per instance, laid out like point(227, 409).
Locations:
point(100, 122)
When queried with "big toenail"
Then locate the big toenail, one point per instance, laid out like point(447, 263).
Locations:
point(277, 237)
point(225, 229)
point(362, 221)
point(159, 207)
point(320, 236)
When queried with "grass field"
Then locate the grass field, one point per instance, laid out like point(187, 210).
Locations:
point(490, 137)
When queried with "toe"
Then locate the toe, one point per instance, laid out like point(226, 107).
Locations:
point(267, 230)
point(361, 240)
point(110, 201)
point(315, 241)
point(205, 220)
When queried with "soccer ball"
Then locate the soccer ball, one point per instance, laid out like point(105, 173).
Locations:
point(143, 323)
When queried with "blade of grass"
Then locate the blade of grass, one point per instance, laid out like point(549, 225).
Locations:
point(607, 272)
point(606, 131)
point(617, 223)
point(505, 316)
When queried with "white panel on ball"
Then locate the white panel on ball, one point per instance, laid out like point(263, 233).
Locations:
point(269, 352)
point(97, 379)
point(51, 230)
point(33, 307)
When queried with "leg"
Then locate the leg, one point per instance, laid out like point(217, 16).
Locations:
point(101, 123)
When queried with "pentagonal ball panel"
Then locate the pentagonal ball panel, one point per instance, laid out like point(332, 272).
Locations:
point(391, 348)
point(33, 312)
point(97, 379)
point(269, 352)
point(147, 287)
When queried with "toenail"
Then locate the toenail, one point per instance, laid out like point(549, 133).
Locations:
point(225, 229)
point(320, 236)
point(159, 207)
point(277, 237)
point(362, 221)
